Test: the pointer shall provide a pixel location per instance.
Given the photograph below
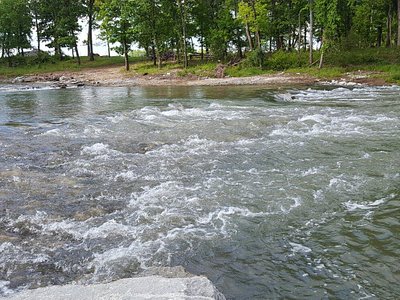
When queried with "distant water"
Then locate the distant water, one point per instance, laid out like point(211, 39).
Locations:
point(269, 193)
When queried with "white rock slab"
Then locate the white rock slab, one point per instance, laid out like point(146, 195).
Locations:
point(140, 288)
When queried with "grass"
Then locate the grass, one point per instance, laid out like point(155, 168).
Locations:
point(147, 67)
point(324, 73)
point(59, 66)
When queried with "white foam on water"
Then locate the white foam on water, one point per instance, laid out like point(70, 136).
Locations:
point(294, 203)
point(5, 246)
point(100, 151)
point(317, 118)
point(117, 119)
point(298, 248)
point(168, 226)
point(37, 218)
point(193, 145)
point(366, 156)
point(319, 195)
point(348, 184)
point(327, 125)
point(4, 288)
point(164, 192)
point(110, 228)
point(85, 230)
point(344, 94)
point(127, 176)
point(351, 206)
point(93, 131)
point(24, 88)
point(11, 255)
point(52, 132)
point(312, 171)
point(96, 149)
point(178, 113)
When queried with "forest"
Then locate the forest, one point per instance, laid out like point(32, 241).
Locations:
point(221, 30)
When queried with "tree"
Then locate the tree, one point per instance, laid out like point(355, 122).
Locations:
point(15, 26)
point(91, 10)
point(328, 16)
point(60, 24)
point(369, 22)
point(311, 37)
point(36, 10)
point(117, 24)
point(398, 23)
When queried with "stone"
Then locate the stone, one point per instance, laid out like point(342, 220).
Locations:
point(139, 288)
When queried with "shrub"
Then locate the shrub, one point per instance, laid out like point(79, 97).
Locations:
point(255, 58)
point(354, 57)
point(282, 60)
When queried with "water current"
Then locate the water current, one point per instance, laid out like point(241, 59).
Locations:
point(289, 193)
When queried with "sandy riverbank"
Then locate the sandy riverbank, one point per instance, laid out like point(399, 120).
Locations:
point(115, 76)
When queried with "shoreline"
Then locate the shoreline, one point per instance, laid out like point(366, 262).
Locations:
point(113, 77)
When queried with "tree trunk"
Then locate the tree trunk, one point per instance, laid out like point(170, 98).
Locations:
point(299, 39)
point(108, 48)
point(279, 42)
point(201, 45)
point(398, 22)
point(126, 56)
point(249, 39)
point(389, 27)
point(90, 31)
point(183, 21)
point(37, 34)
point(258, 39)
point(153, 55)
point(379, 37)
point(311, 37)
point(159, 61)
point(321, 60)
point(77, 54)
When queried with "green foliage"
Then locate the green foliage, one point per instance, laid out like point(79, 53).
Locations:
point(201, 69)
point(21, 61)
point(325, 73)
point(242, 71)
point(282, 60)
point(50, 64)
point(223, 28)
point(255, 58)
point(222, 33)
point(59, 22)
point(15, 25)
point(253, 13)
point(349, 58)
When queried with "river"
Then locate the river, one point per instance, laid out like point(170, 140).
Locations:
point(288, 193)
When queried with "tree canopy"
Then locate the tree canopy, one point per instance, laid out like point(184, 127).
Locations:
point(220, 29)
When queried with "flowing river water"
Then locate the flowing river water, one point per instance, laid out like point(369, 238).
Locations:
point(288, 193)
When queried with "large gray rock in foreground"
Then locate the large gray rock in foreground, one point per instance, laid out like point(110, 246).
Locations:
point(151, 287)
